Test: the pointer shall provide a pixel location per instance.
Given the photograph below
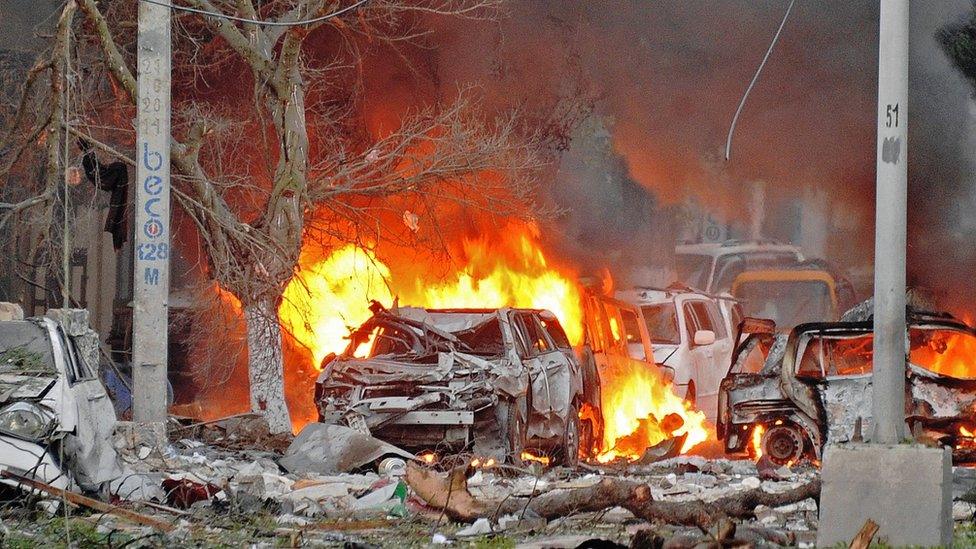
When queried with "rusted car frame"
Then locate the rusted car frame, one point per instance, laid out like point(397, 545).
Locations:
point(794, 393)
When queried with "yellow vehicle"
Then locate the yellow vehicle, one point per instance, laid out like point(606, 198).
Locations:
point(788, 296)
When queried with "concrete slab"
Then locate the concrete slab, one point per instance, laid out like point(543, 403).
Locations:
point(906, 489)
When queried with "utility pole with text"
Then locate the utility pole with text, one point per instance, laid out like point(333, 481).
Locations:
point(150, 308)
point(890, 225)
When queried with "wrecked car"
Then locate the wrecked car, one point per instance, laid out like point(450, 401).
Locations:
point(786, 395)
point(56, 420)
point(497, 381)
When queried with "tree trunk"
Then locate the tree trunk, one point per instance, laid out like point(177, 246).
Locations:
point(265, 365)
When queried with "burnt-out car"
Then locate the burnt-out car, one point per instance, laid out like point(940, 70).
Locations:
point(496, 381)
point(789, 394)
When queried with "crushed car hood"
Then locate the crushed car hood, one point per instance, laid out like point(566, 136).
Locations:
point(382, 371)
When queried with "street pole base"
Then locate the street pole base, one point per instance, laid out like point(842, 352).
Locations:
point(905, 488)
point(132, 435)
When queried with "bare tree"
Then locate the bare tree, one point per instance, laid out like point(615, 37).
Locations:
point(336, 188)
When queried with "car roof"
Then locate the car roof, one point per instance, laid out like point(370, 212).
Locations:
point(646, 295)
point(728, 247)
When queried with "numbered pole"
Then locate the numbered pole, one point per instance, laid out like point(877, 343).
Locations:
point(150, 307)
point(890, 225)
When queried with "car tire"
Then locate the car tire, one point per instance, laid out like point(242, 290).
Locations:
point(784, 444)
point(514, 413)
point(570, 450)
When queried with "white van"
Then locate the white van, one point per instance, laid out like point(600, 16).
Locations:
point(692, 333)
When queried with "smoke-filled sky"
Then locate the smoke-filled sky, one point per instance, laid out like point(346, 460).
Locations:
point(664, 79)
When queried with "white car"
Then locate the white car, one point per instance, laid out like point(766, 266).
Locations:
point(713, 266)
point(692, 333)
point(56, 420)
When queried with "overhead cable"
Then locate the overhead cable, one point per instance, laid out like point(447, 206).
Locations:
point(336, 13)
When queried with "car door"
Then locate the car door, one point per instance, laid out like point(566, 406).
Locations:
point(698, 319)
point(549, 377)
point(846, 361)
point(90, 444)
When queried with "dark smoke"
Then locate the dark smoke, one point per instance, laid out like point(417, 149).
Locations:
point(665, 78)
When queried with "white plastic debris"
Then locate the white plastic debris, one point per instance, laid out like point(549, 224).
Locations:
point(376, 498)
point(480, 527)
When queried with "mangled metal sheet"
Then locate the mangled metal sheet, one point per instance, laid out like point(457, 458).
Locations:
point(330, 449)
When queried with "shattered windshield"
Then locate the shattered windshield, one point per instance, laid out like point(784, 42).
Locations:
point(788, 303)
point(944, 351)
point(693, 269)
point(393, 338)
point(25, 348)
point(662, 323)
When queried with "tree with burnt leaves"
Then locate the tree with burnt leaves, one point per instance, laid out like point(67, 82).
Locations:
point(339, 186)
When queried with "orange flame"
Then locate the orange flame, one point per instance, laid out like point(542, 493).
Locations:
point(641, 410)
point(757, 434)
point(330, 295)
point(945, 352)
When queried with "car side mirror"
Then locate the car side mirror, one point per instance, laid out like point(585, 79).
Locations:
point(704, 337)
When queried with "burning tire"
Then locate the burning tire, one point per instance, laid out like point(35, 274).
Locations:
point(784, 444)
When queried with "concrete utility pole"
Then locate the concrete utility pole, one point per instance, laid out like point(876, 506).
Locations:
point(152, 227)
point(905, 488)
point(890, 225)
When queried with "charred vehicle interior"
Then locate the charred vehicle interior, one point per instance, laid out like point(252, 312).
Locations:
point(496, 381)
point(787, 395)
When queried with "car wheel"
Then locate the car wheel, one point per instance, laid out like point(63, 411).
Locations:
point(514, 413)
point(571, 439)
point(783, 444)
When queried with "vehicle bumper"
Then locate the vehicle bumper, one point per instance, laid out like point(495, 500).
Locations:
point(31, 460)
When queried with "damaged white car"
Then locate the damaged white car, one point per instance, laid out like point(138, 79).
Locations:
point(56, 419)
point(497, 381)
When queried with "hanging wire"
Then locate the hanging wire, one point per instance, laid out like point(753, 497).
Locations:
point(728, 141)
point(336, 13)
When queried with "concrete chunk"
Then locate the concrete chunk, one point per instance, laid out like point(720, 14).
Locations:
point(906, 489)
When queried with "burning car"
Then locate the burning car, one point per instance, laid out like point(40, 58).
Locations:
point(498, 381)
point(56, 420)
point(787, 395)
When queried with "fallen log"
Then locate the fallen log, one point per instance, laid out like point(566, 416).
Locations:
point(450, 494)
point(78, 499)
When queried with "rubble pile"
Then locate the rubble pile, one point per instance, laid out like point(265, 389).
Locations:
point(203, 491)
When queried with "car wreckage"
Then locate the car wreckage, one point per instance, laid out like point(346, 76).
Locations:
point(499, 382)
point(787, 395)
point(56, 420)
